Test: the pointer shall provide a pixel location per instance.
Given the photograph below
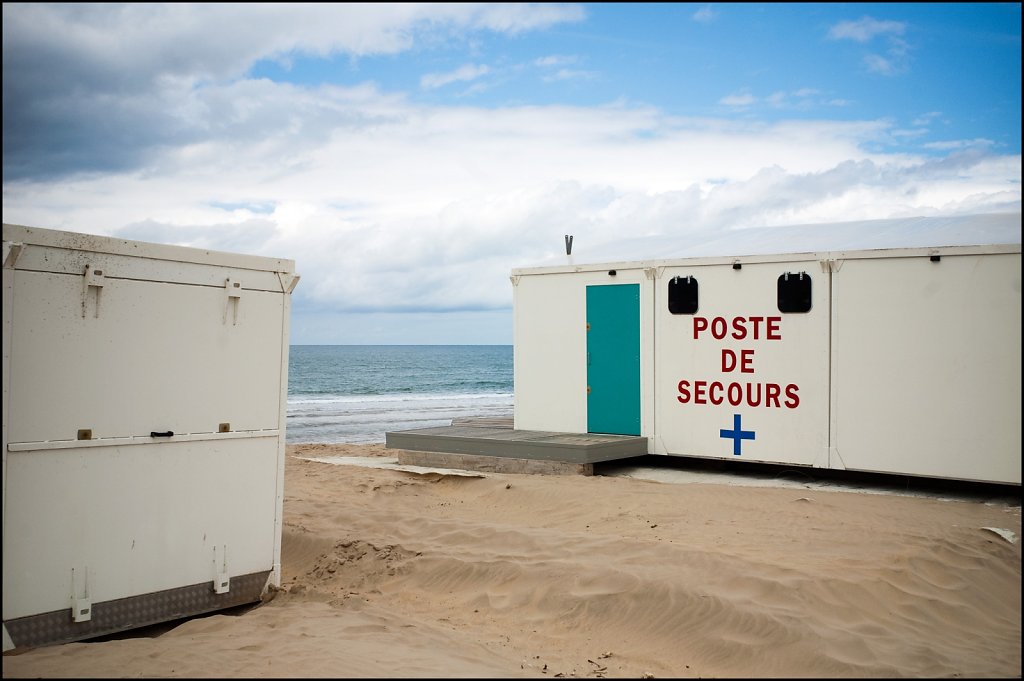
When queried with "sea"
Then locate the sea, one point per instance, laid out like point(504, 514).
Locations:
point(357, 393)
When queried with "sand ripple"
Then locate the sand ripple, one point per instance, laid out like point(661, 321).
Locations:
point(388, 573)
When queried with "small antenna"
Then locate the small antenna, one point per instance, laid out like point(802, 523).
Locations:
point(568, 244)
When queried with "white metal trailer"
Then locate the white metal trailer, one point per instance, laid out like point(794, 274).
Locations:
point(144, 401)
point(891, 360)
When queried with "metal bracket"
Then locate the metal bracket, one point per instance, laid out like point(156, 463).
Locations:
point(288, 281)
point(232, 298)
point(12, 251)
point(221, 581)
point(92, 279)
point(81, 606)
point(829, 265)
point(654, 272)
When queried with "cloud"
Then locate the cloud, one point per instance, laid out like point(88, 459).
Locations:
point(927, 118)
point(979, 143)
point(865, 29)
point(738, 100)
point(879, 64)
point(705, 15)
point(127, 78)
point(569, 74)
point(465, 73)
point(391, 207)
point(914, 132)
point(556, 70)
point(895, 61)
point(802, 98)
point(556, 60)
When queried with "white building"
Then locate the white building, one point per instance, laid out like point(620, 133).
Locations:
point(143, 432)
point(889, 346)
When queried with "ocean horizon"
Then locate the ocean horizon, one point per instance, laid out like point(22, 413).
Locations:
point(356, 393)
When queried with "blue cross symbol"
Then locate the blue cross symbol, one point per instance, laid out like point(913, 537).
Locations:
point(737, 434)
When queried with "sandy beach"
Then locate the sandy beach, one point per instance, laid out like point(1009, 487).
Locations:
point(390, 573)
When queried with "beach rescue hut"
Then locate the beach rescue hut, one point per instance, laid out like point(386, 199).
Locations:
point(144, 397)
point(889, 346)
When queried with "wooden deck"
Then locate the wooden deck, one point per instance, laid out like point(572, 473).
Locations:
point(486, 440)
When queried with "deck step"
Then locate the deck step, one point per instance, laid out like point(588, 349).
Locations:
point(503, 441)
point(494, 421)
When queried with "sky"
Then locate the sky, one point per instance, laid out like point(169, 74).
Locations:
point(408, 156)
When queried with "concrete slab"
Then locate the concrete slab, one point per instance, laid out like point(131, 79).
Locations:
point(494, 464)
point(388, 463)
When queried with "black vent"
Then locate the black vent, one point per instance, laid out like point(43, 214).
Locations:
point(682, 295)
point(795, 292)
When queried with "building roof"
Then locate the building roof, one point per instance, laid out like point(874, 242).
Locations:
point(911, 232)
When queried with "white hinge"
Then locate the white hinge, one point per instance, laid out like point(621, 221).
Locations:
point(12, 251)
point(232, 298)
point(92, 279)
point(654, 272)
point(81, 606)
point(288, 281)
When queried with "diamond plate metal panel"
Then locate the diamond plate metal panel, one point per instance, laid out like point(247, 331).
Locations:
point(133, 612)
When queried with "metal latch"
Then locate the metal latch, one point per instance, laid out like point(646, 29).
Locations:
point(92, 279)
point(233, 296)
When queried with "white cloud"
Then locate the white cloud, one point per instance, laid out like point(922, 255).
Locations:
point(464, 73)
point(555, 68)
point(389, 207)
point(865, 29)
point(927, 118)
point(879, 64)
point(947, 145)
point(802, 98)
point(569, 74)
point(556, 60)
point(705, 15)
point(738, 100)
point(904, 133)
point(96, 71)
point(190, 39)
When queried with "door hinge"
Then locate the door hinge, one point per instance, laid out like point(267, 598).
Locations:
point(92, 279)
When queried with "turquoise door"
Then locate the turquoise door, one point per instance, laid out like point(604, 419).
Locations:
point(613, 359)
